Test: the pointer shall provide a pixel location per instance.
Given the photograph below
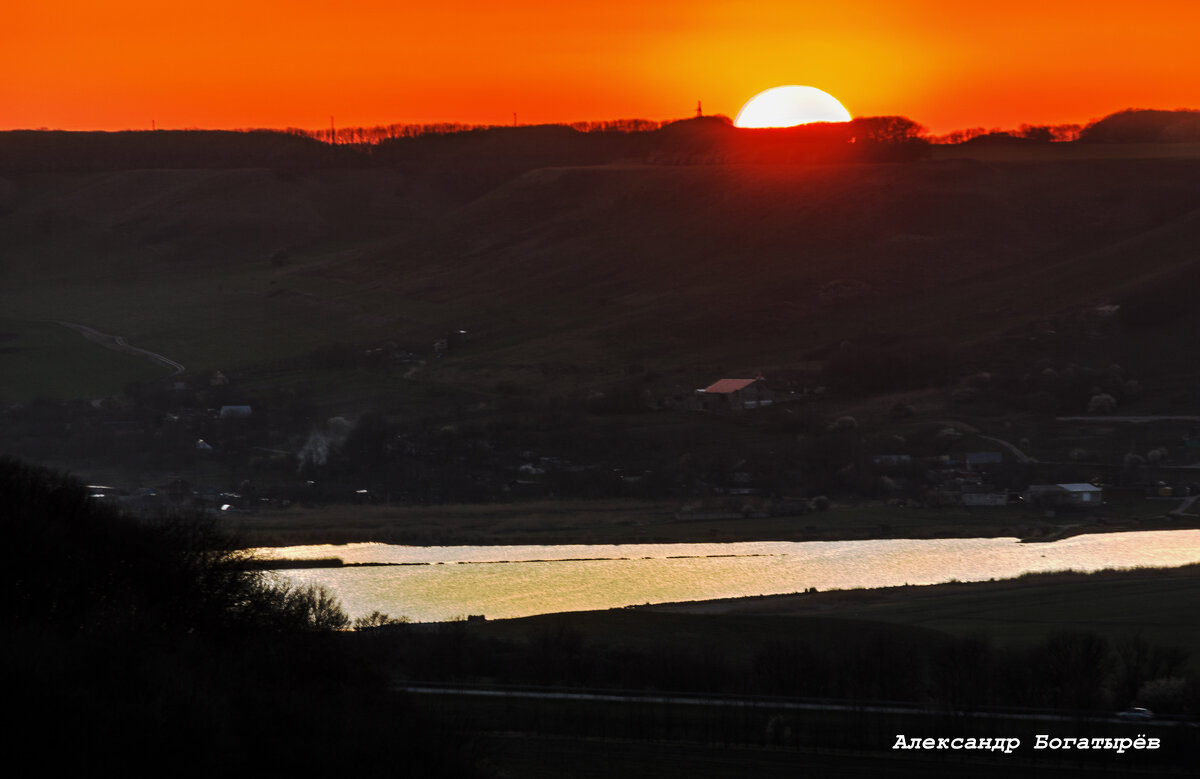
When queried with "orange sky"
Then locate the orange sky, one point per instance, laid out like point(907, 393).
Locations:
point(117, 64)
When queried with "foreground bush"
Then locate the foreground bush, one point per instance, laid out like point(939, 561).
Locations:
point(149, 642)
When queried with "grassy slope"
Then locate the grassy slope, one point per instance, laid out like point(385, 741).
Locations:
point(688, 269)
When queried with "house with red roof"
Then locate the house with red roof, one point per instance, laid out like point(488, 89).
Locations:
point(734, 395)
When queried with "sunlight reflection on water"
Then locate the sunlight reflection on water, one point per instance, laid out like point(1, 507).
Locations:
point(437, 583)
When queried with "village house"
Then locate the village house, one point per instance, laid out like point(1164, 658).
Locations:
point(984, 496)
point(1065, 494)
point(734, 395)
point(983, 461)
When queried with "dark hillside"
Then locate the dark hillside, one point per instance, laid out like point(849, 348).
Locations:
point(767, 262)
point(567, 302)
point(95, 224)
point(774, 262)
point(471, 163)
point(748, 265)
point(474, 162)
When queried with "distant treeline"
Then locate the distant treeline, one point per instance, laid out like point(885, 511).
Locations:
point(1128, 126)
point(480, 153)
point(386, 132)
point(477, 152)
point(1034, 133)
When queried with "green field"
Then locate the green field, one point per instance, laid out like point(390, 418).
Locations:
point(1157, 604)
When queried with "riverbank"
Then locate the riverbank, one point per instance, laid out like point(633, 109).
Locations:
point(629, 522)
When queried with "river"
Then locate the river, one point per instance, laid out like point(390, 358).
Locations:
point(431, 583)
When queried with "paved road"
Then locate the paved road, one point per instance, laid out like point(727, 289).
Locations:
point(1017, 453)
point(117, 343)
point(1182, 509)
point(617, 696)
point(1134, 420)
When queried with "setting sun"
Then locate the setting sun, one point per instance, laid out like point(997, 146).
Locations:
point(789, 106)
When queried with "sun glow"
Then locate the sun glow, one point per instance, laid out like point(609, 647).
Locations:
point(789, 106)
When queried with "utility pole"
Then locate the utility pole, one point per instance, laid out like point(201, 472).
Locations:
point(699, 110)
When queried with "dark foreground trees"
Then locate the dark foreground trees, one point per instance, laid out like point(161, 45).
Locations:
point(132, 642)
